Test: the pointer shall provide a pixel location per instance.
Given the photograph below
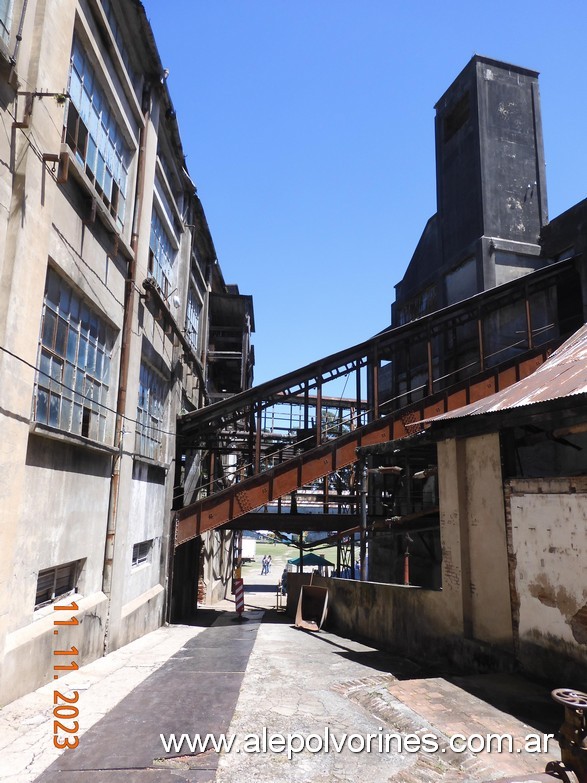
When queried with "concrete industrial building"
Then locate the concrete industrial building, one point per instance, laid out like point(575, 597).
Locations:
point(509, 507)
point(116, 324)
point(455, 568)
point(486, 514)
point(113, 309)
point(489, 224)
point(491, 190)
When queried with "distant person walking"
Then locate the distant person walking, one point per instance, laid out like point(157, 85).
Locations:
point(268, 564)
point(264, 566)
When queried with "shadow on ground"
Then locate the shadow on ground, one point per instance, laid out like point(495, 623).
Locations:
point(526, 699)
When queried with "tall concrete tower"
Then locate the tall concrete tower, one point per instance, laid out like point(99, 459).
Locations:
point(491, 190)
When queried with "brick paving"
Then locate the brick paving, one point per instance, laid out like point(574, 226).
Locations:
point(436, 705)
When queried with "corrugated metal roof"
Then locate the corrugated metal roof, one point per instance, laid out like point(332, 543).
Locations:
point(563, 374)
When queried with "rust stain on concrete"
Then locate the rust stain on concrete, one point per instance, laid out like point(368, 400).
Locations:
point(579, 625)
point(555, 597)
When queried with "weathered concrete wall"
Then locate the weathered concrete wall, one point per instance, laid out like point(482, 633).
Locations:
point(64, 512)
point(473, 532)
point(28, 654)
point(549, 554)
point(395, 616)
point(492, 620)
point(408, 620)
point(30, 521)
point(469, 620)
point(59, 501)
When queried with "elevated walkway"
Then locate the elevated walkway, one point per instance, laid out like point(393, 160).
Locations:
point(243, 497)
point(401, 377)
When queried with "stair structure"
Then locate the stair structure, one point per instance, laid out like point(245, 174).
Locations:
point(298, 435)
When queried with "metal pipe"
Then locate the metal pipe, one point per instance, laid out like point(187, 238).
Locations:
point(319, 410)
point(129, 302)
point(407, 560)
point(375, 383)
point(363, 544)
point(301, 546)
point(358, 380)
point(258, 440)
point(529, 323)
point(19, 34)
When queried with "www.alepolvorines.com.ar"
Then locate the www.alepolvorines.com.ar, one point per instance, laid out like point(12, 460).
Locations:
point(329, 742)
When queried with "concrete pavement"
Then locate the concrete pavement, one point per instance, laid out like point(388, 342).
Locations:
point(258, 681)
point(26, 725)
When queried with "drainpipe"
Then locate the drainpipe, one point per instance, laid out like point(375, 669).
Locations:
point(14, 57)
point(407, 542)
point(129, 301)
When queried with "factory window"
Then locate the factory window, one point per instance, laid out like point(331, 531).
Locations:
point(459, 115)
point(119, 38)
point(424, 302)
point(161, 255)
point(94, 136)
point(5, 19)
point(192, 327)
point(141, 553)
point(57, 582)
point(75, 352)
point(150, 436)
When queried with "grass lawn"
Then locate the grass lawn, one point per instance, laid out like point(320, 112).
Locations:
point(281, 553)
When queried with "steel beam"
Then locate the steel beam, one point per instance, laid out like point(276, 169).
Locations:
point(255, 491)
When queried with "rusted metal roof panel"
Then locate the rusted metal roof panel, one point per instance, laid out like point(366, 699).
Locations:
point(563, 374)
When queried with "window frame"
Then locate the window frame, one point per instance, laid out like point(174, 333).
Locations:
point(162, 254)
point(6, 7)
point(152, 414)
point(75, 569)
point(138, 557)
point(117, 35)
point(73, 382)
point(194, 308)
point(94, 135)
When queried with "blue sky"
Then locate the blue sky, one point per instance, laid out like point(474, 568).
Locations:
point(308, 129)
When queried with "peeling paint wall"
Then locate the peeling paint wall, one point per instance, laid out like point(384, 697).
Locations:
point(549, 545)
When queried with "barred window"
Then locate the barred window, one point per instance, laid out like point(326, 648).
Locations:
point(75, 352)
point(141, 553)
point(192, 326)
point(94, 136)
point(151, 418)
point(161, 256)
point(56, 582)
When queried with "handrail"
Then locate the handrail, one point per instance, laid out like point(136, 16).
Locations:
point(311, 375)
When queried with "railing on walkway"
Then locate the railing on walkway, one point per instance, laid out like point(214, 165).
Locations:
point(297, 430)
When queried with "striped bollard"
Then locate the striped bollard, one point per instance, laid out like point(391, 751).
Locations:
point(239, 597)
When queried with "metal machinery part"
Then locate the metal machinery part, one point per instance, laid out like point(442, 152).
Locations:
point(572, 738)
point(572, 734)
